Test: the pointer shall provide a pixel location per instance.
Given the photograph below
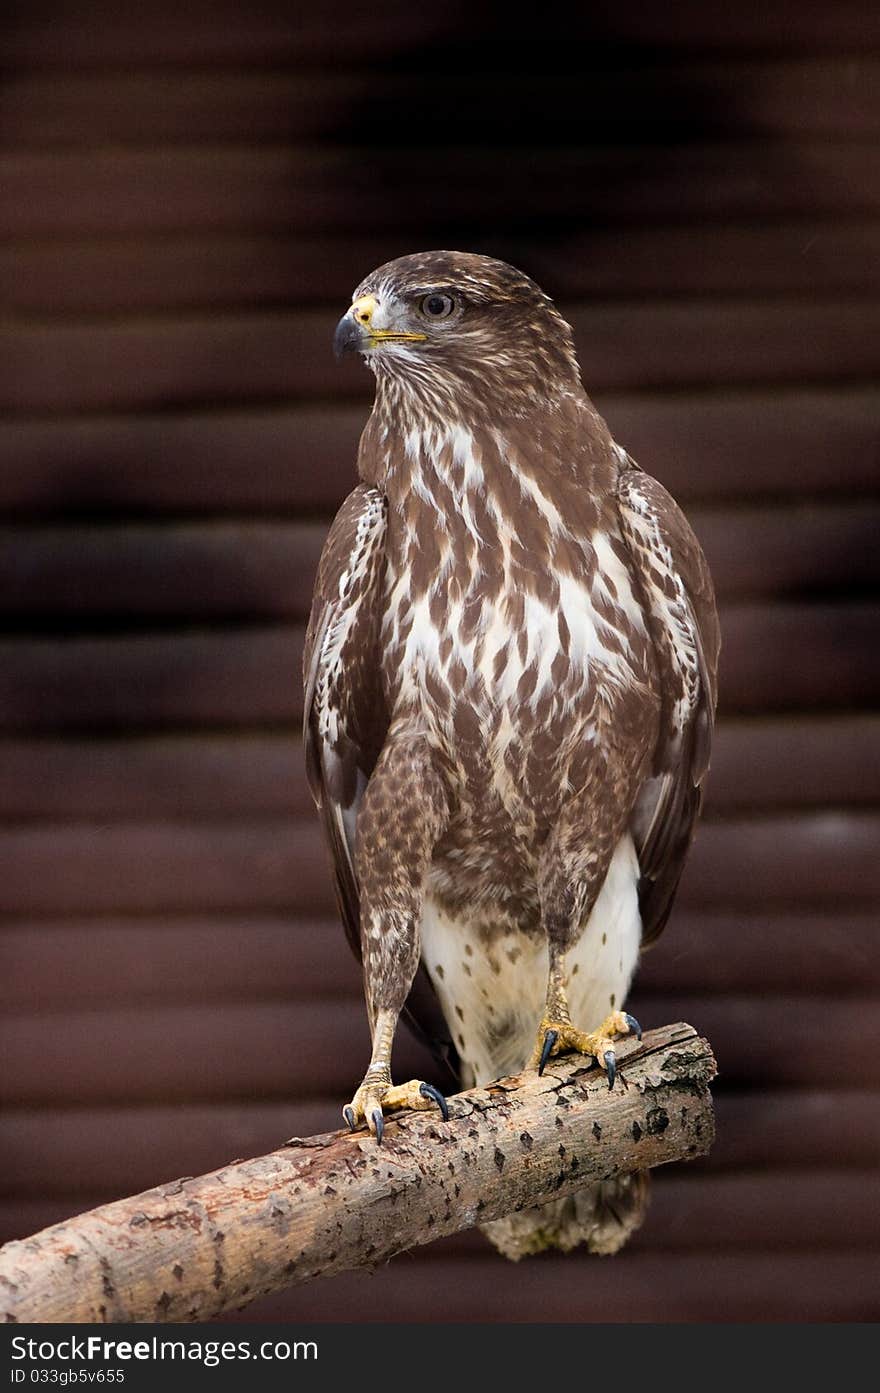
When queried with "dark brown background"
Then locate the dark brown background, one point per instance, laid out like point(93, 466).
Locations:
point(189, 194)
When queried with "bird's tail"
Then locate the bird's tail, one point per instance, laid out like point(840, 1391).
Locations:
point(601, 1216)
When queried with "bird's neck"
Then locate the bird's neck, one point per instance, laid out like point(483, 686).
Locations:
point(557, 447)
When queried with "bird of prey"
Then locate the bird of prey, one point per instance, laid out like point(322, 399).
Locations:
point(510, 686)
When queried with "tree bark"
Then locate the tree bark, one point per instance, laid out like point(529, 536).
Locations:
point(196, 1248)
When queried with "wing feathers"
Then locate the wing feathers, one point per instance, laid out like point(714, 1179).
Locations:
point(679, 602)
point(343, 722)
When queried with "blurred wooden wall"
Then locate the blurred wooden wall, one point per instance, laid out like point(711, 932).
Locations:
point(188, 194)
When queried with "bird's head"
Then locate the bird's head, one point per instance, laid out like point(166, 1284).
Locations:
point(446, 326)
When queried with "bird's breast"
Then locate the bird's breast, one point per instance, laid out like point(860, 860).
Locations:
point(510, 623)
point(498, 663)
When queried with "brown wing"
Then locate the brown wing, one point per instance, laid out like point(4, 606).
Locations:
point(345, 722)
point(679, 602)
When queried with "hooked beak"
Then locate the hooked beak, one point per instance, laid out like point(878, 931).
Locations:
point(348, 337)
point(357, 332)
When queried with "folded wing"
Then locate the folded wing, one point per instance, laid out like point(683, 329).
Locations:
point(344, 724)
point(679, 602)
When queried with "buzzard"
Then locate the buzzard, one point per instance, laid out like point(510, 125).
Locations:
point(510, 685)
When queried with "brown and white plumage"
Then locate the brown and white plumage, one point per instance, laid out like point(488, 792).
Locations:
point(510, 689)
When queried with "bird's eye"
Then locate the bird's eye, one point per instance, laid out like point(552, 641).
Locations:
point(437, 306)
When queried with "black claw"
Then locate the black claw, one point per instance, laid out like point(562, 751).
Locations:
point(348, 1114)
point(611, 1067)
point(633, 1025)
point(379, 1123)
point(549, 1041)
point(428, 1090)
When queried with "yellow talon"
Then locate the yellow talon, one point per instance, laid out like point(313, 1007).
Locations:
point(557, 1036)
point(374, 1095)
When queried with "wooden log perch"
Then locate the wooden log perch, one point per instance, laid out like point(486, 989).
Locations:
point(196, 1248)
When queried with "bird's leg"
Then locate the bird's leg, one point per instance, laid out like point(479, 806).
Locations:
point(571, 873)
point(557, 1034)
point(377, 1093)
point(403, 812)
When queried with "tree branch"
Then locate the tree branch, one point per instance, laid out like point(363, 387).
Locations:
point(195, 1248)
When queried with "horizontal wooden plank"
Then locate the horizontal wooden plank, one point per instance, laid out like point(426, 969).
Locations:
point(252, 570)
point(179, 272)
point(234, 570)
point(757, 765)
point(255, 1051)
point(308, 189)
point(118, 1150)
point(46, 34)
point(320, 1047)
point(106, 961)
point(812, 1126)
point(834, 952)
point(636, 1287)
point(771, 258)
point(752, 446)
point(97, 962)
point(214, 461)
point(739, 342)
point(138, 364)
point(238, 677)
point(174, 776)
point(797, 96)
point(89, 276)
point(767, 669)
point(799, 552)
point(775, 862)
point(792, 763)
point(776, 658)
point(711, 446)
point(64, 1156)
point(263, 864)
point(236, 359)
point(781, 657)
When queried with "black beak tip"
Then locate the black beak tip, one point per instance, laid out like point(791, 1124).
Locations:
point(347, 338)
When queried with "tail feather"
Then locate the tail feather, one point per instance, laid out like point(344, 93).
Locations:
point(602, 1216)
